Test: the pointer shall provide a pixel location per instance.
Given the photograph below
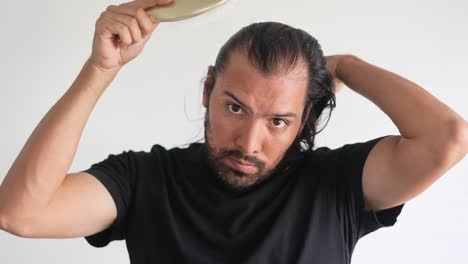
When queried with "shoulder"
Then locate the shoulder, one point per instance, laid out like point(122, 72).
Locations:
point(321, 157)
point(345, 159)
point(184, 153)
point(158, 149)
point(353, 151)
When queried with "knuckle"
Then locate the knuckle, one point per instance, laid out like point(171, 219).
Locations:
point(140, 12)
point(121, 27)
point(104, 15)
point(101, 16)
point(129, 40)
point(142, 16)
point(100, 20)
point(124, 37)
point(111, 8)
point(132, 22)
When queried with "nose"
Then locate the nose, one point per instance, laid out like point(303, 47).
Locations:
point(250, 138)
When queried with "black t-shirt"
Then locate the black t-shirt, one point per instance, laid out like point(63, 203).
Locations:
point(173, 209)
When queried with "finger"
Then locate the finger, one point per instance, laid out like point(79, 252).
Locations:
point(131, 23)
point(119, 29)
point(144, 21)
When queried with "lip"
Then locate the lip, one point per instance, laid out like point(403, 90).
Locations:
point(241, 166)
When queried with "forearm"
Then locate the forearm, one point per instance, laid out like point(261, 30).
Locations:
point(44, 160)
point(416, 113)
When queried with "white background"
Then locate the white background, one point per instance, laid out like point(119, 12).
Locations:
point(157, 99)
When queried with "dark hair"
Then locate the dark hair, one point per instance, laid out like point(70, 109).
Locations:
point(272, 46)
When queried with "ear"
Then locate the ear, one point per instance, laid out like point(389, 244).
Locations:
point(208, 85)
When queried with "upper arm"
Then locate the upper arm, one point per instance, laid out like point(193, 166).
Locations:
point(397, 169)
point(81, 206)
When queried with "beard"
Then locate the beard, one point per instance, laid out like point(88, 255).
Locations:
point(228, 176)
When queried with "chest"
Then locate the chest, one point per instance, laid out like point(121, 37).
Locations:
point(294, 225)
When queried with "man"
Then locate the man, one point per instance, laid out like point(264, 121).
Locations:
point(256, 191)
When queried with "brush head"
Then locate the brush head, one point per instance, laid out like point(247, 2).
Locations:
point(182, 9)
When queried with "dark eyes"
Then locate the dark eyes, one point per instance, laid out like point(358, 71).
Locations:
point(278, 123)
point(237, 110)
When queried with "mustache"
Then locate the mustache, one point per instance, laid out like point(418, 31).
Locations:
point(224, 153)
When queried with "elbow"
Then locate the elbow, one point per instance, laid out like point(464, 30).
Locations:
point(463, 136)
point(10, 227)
point(2, 222)
point(456, 144)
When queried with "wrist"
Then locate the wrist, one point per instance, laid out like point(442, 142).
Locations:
point(90, 63)
point(93, 78)
point(342, 64)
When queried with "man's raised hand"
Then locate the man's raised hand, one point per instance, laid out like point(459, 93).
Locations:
point(121, 33)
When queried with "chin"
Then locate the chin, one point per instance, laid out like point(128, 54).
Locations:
point(238, 180)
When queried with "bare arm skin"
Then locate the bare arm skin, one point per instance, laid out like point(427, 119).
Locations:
point(42, 164)
point(433, 137)
point(37, 196)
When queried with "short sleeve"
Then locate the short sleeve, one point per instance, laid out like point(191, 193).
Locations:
point(115, 173)
point(361, 220)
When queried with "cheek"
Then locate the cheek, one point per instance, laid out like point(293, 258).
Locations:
point(221, 128)
point(279, 144)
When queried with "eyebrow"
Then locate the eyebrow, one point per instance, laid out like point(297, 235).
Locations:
point(233, 97)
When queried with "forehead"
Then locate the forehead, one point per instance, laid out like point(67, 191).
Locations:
point(282, 91)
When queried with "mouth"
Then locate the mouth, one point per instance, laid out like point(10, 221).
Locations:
point(241, 166)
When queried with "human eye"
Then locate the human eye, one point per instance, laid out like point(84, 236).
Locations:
point(278, 122)
point(235, 109)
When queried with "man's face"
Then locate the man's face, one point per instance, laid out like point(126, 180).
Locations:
point(252, 120)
